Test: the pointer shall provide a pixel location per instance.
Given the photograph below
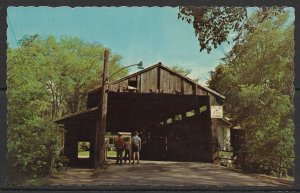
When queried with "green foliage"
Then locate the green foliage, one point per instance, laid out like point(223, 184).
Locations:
point(111, 153)
point(181, 70)
point(256, 78)
point(83, 146)
point(83, 154)
point(214, 24)
point(46, 79)
point(36, 182)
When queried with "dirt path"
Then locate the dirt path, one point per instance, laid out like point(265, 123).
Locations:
point(159, 173)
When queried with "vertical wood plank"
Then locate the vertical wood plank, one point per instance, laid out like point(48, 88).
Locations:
point(171, 85)
point(139, 83)
point(194, 89)
point(178, 84)
point(182, 86)
point(142, 83)
point(167, 82)
point(158, 79)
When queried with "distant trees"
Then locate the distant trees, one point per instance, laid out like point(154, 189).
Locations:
point(47, 78)
point(181, 70)
point(256, 77)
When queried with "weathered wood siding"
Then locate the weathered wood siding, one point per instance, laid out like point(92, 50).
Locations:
point(115, 87)
point(187, 88)
point(201, 91)
point(149, 81)
point(139, 82)
point(172, 83)
point(165, 81)
point(158, 80)
point(123, 85)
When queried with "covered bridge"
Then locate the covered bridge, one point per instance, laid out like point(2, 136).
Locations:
point(171, 112)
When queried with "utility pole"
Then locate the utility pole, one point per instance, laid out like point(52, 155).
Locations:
point(101, 123)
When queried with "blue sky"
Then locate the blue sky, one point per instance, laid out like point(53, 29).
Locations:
point(148, 34)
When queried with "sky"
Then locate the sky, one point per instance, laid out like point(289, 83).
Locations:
point(147, 34)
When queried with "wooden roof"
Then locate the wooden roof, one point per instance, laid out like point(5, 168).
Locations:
point(85, 114)
point(170, 70)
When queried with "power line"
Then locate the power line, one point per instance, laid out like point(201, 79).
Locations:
point(12, 29)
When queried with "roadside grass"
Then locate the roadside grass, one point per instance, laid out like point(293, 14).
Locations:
point(111, 153)
point(36, 182)
point(285, 181)
point(84, 154)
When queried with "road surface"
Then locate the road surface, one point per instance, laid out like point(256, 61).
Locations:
point(157, 173)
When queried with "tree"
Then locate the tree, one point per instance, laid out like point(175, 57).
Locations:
point(181, 70)
point(47, 79)
point(256, 78)
point(214, 24)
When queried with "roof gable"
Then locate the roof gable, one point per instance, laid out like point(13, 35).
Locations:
point(170, 70)
point(190, 80)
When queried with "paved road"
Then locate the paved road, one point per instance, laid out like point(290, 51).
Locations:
point(159, 173)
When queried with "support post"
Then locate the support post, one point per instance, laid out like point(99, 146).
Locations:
point(101, 122)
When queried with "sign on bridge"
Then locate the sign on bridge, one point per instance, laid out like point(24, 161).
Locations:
point(216, 112)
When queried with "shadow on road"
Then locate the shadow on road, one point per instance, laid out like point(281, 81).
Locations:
point(158, 173)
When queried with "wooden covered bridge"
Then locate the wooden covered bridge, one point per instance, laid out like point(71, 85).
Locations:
point(171, 112)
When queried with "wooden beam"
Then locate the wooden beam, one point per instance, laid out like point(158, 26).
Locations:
point(182, 87)
point(195, 88)
point(158, 79)
point(101, 122)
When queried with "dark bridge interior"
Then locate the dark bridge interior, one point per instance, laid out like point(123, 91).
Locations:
point(172, 127)
point(131, 111)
